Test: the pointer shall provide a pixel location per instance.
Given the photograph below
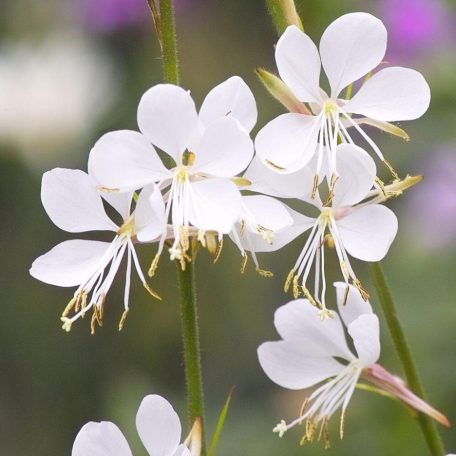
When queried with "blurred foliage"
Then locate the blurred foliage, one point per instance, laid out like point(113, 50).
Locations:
point(51, 382)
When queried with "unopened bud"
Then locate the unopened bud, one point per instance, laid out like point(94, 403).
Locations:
point(280, 91)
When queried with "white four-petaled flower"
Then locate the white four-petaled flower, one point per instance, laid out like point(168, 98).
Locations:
point(158, 427)
point(315, 350)
point(350, 48)
point(205, 152)
point(71, 200)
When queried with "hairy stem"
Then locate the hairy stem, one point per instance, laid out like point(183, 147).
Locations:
point(283, 13)
point(186, 278)
point(169, 42)
point(426, 423)
point(192, 351)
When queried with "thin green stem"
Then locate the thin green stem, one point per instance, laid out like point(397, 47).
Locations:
point(283, 13)
point(169, 42)
point(426, 423)
point(186, 278)
point(192, 351)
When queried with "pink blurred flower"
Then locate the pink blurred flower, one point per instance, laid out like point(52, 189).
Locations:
point(416, 26)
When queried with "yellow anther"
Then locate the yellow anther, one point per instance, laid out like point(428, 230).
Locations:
point(154, 265)
point(288, 281)
point(107, 189)
point(188, 158)
point(123, 318)
point(242, 230)
point(304, 406)
point(270, 163)
point(341, 427)
point(309, 296)
point(201, 237)
point(218, 251)
point(211, 243)
point(296, 291)
point(315, 186)
point(151, 291)
point(70, 306)
point(264, 273)
point(245, 259)
point(267, 234)
point(332, 184)
point(362, 291)
point(329, 241)
point(381, 184)
point(344, 301)
point(241, 181)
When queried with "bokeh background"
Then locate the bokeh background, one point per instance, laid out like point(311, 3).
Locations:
point(71, 70)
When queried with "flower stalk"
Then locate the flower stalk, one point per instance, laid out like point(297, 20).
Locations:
point(192, 351)
point(169, 42)
point(426, 423)
point(283, 13)
point(186, 277)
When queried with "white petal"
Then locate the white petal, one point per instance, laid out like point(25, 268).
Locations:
point(350, 47)
point(69, 263)
point(182, 450)
point(299, 320)
point(150, 220)
point(225, 149)
point(365, 332)
point(72, 202)
point(216, 205)
point(167, 117)
point(354, 305)
point(125, 160)
point(158, 426)
point(100, 439)
point(299, 64)
point(265, 180)
point(121, 202)
point(266, 212)
point(357, 172)
point(288, 142)
point(392, 94)
point(368, 232)
point(256, 243)
point(288, 365)
point(230, 98)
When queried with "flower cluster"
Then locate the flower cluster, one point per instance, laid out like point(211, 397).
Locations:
point(190, 178)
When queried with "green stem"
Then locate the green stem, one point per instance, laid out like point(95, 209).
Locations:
point(283, 13)
point(426, 423)
point(192, 351)
point(186, 278)
point(169, 42)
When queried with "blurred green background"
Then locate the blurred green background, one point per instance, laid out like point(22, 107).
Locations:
point(72, 70)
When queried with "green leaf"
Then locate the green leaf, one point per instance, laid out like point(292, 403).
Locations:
point(220, 423)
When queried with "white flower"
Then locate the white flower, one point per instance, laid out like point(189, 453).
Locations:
point(351, 47)
point(264, 226)
point(158, 427)
point(73, 203)
point(311, 352)
point(52, 92)
point(363, 230)
point(207, 152)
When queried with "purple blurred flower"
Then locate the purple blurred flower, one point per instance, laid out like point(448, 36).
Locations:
point(416, 26)
point(112, 15)
point(433, 202)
